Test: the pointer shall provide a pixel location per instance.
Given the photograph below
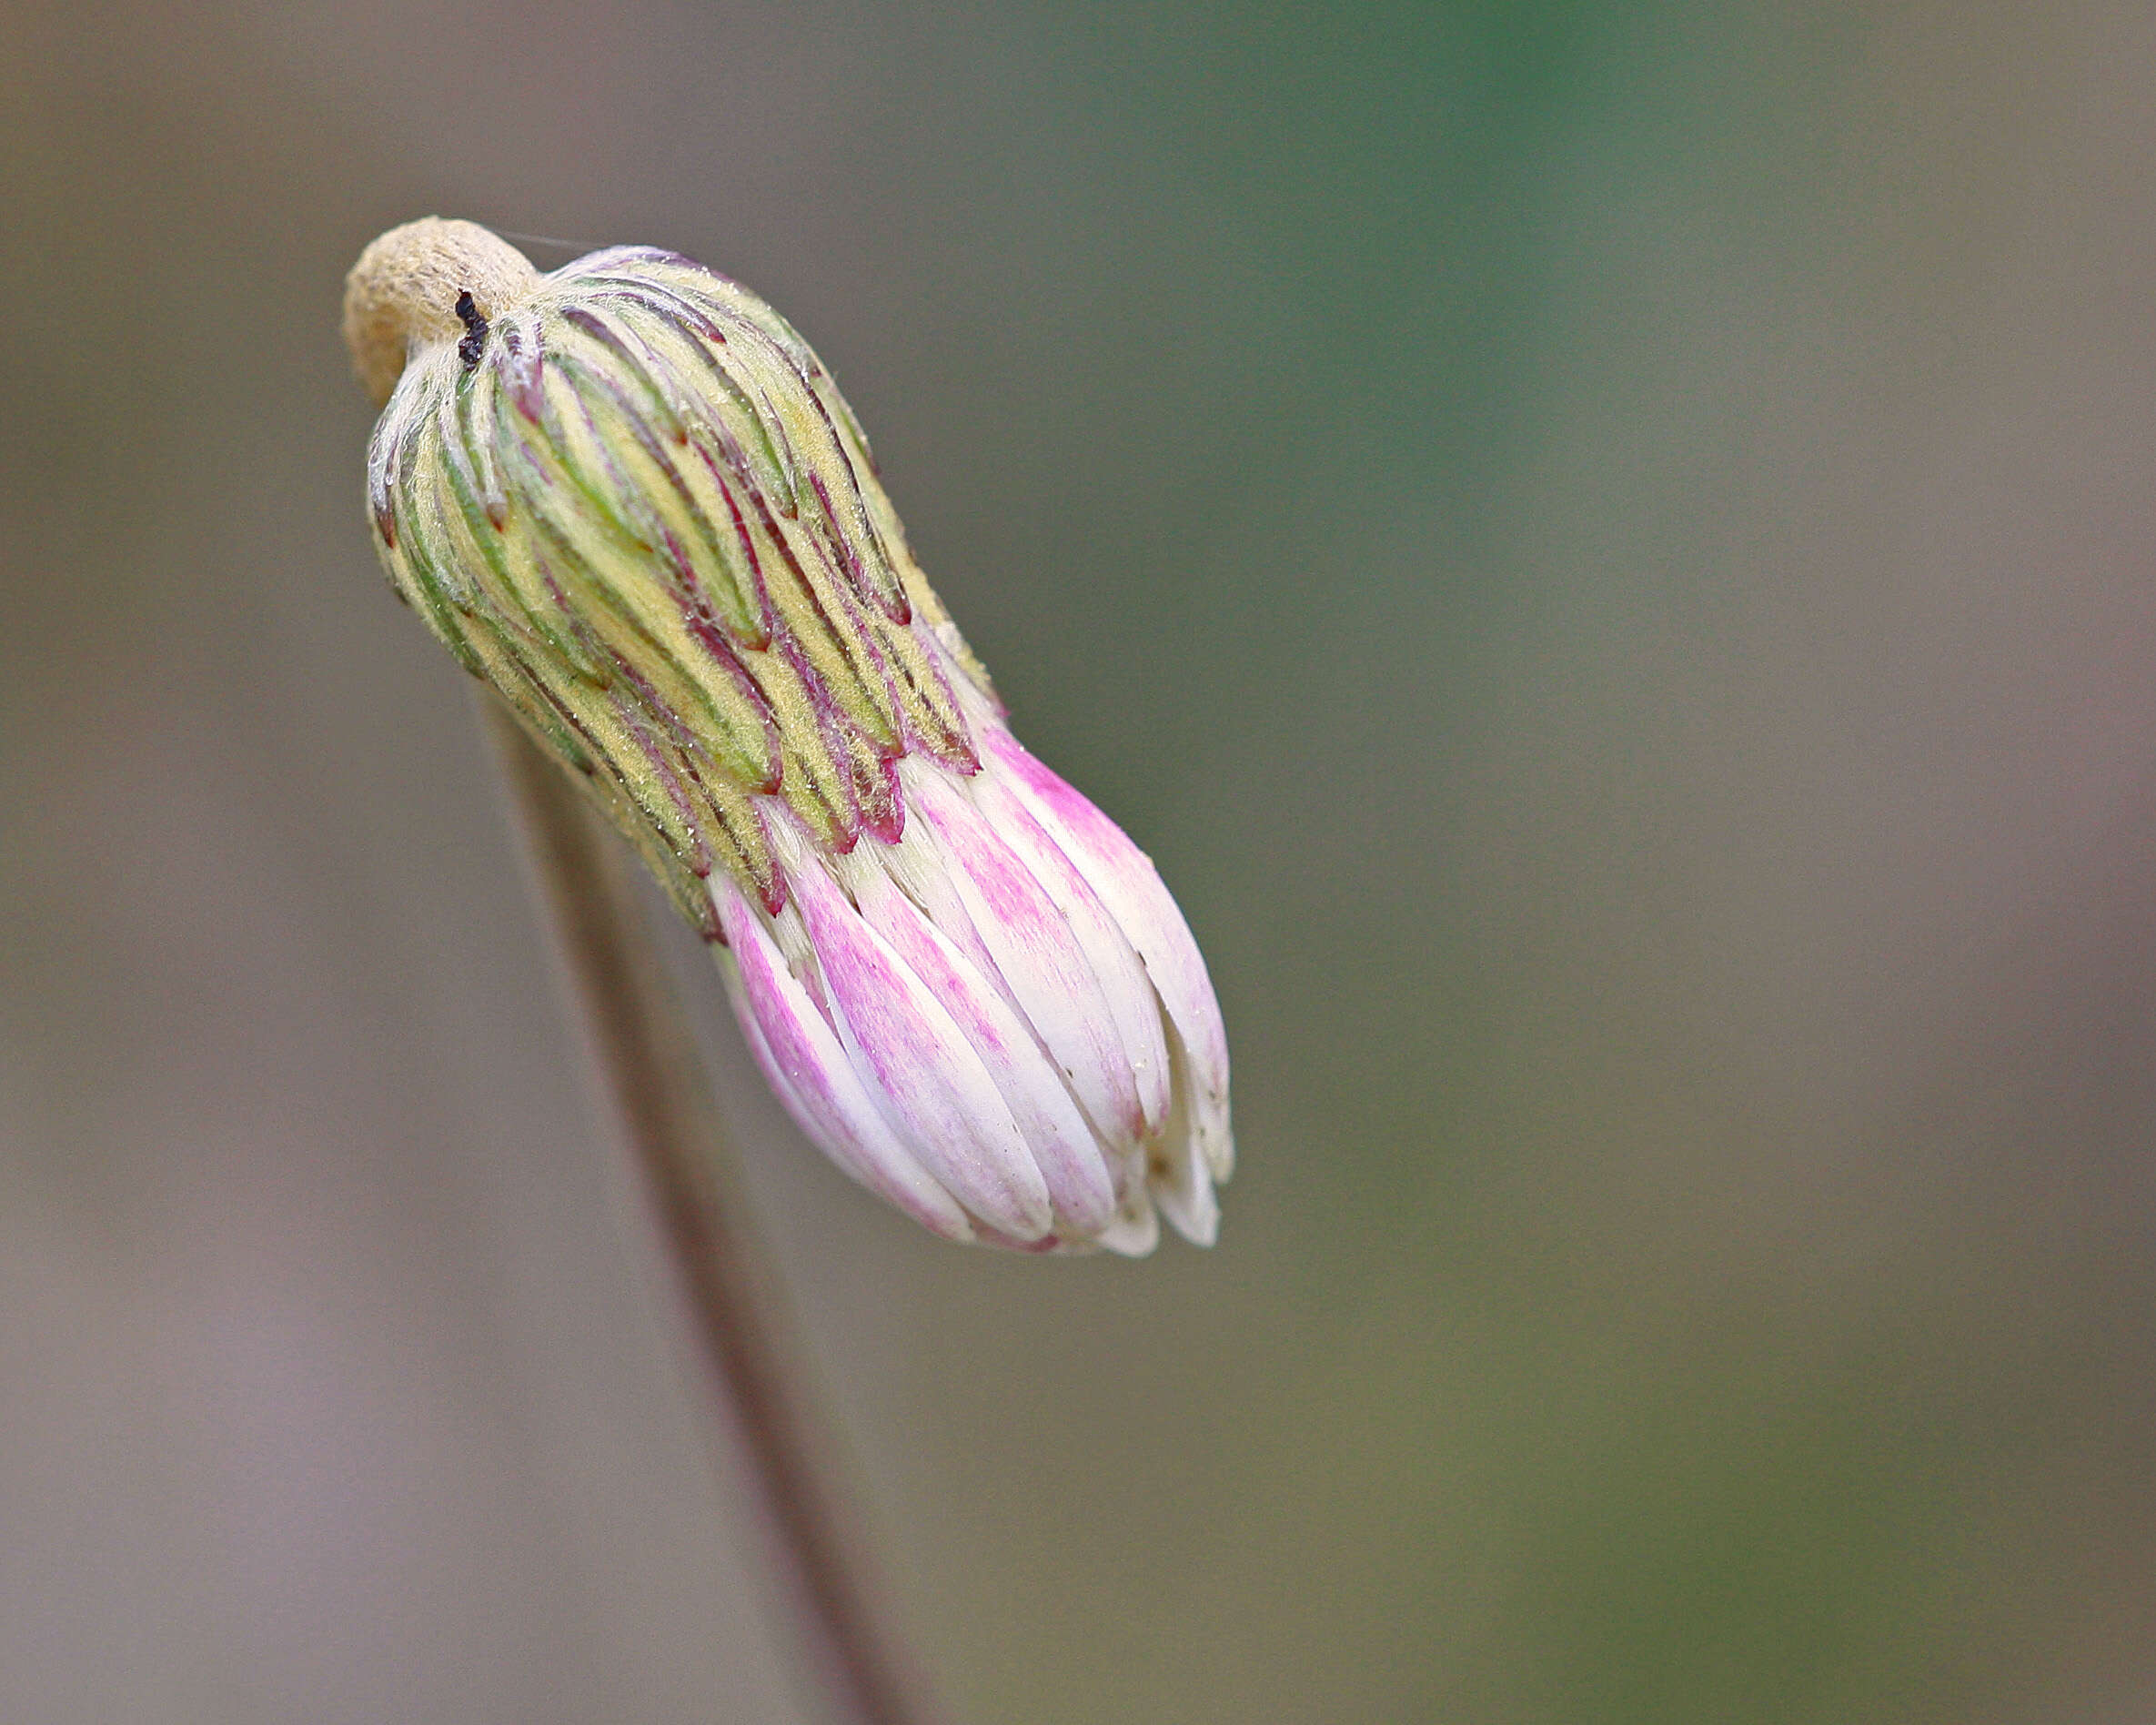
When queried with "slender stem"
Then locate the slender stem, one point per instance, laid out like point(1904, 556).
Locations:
point(651, 1070)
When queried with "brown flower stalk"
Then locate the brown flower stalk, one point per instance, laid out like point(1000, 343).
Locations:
point(654, 1080)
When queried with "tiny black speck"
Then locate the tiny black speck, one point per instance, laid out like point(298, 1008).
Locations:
point(475, 331)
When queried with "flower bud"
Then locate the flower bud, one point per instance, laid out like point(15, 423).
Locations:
point(628, 496)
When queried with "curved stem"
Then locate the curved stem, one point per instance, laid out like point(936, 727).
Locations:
point(664, 1105)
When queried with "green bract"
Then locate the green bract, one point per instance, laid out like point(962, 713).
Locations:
point(631, 498)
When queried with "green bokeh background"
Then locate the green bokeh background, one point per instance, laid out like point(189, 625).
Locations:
point(1606, 551)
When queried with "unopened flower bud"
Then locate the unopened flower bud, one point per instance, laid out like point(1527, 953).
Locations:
point(628, 496)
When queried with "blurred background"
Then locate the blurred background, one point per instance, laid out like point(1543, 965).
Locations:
point(1607, 551)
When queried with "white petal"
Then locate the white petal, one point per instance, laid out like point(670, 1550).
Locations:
point(1190, 1205)
point(1136, 1230)
point(1177, 1176)
point(1130, 992)
point(814, 1076)
point(1070, 1158)
point(918, 1063)
point(1079, 983)
point(1129, 885)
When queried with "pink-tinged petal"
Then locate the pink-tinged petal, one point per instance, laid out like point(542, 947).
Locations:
point(1041, 1247)
point(1129, 885)
point(914, 1057)
point(1063, 1147)
point(812, 1076)
point(924, 874)
point(1057, 950)
point(1130, 992)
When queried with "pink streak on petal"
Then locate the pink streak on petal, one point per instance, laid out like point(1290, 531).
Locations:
point(1062, 1145)
point(1124, 878)
point(1010, 1243)
point(813, 1077)
point(1129, 990)
point(911, 1051)
point(1038, 953)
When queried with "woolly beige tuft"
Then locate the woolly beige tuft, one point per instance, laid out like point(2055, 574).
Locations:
point(402, 293)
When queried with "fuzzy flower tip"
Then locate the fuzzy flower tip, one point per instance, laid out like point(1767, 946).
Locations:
point(628, 496)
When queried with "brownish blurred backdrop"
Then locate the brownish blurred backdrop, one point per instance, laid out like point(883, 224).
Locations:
point(1606, 550)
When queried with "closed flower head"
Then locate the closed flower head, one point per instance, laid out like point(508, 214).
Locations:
point(628, 496)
